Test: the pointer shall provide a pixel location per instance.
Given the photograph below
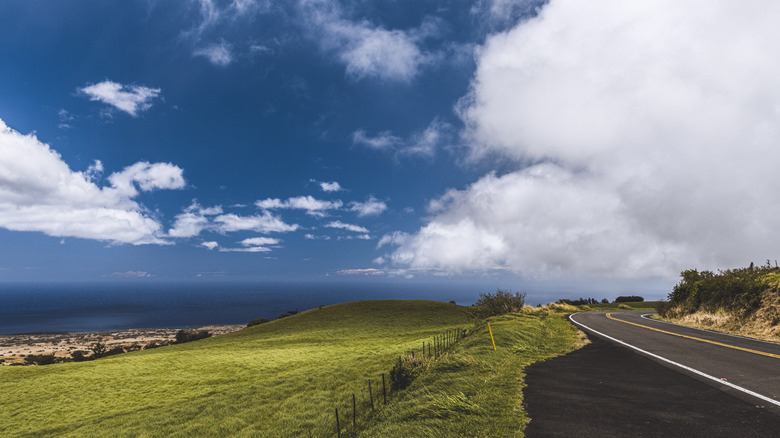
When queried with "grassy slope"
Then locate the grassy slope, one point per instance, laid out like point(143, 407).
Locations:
point(284, 378)
point(474, 391)
point(276, 379)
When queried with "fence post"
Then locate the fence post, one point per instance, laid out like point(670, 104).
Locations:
point(384, 393)
point(370, 394)
point(354, 410)
point(338, 426)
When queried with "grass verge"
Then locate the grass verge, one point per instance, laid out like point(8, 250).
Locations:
point(474, 391)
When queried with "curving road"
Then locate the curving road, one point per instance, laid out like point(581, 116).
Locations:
point(748, 366)
point(645, 378)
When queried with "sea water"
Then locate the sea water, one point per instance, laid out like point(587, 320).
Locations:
point(47, 308)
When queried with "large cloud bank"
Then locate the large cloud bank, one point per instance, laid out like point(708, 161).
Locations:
point(652, 131)
point(39, 192)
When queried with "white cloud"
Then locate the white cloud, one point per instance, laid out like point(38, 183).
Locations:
point(424, 143)
point(262, 223)
point(348, 227)
point(314, 207)
point(330, 186)
point(383, 141)
point(147, 177)
point(372, 207)
point(131, 99)
point(39, 192)
point(210, 245)
point(655, 154)
point(366, 49)
point(193, 220)
point(254, 244)
point(218, 54)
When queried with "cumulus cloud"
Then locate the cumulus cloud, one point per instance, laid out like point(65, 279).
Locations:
point(131, 99)
point(653, 154)
point(218, 54)
point(366, 49)
point(330, 186)
point(193, 220)
point(39, 192)
point(210, 245)
point(372, 207)
point(348, 227)
point(312, 206)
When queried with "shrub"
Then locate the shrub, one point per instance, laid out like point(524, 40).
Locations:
point(501, 302)
point(98, 350)
point(186, 336)
point(78, 356)
point(629, 299)
point(257, 321)
point(40, 359)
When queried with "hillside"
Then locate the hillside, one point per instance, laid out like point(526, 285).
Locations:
point(743, 301)
point(282, 378)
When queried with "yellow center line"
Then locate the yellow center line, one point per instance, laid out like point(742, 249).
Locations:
point(609, 315)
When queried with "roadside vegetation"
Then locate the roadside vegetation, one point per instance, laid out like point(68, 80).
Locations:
point(743, 301)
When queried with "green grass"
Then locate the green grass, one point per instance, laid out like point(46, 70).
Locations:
point(474, 391)
point(277, 379)
point(284, 378)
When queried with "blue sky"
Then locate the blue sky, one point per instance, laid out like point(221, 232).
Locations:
point(506, 142)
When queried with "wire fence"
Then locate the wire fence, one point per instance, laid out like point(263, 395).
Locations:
point(356, 408)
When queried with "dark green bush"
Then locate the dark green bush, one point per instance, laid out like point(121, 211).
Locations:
point(629, 299)
point(501, 302)
point(40, 359)
point(257, 321)
point(187, 336)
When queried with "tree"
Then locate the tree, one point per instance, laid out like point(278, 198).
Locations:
point(98, 349)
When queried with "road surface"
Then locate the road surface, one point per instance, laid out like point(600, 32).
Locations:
point(641, 377)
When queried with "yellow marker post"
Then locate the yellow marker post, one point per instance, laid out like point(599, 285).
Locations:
point(491, 337)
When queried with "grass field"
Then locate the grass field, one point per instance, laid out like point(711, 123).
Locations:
point(285, 378)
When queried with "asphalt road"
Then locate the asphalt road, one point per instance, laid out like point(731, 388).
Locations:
point(611, 389)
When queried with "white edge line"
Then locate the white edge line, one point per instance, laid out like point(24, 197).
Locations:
point(645, 316)
point(687, 368)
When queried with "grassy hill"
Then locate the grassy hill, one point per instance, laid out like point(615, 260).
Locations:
point(284, 378)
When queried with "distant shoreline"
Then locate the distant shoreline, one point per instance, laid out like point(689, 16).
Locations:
point(15, 347)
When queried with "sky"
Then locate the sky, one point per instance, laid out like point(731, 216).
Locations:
point(559, 145)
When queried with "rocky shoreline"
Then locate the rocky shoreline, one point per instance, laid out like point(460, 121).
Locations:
point(14, 348)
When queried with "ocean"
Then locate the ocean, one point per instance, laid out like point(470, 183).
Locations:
point(48, 308)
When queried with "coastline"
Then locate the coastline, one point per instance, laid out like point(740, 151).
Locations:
point(14, 348)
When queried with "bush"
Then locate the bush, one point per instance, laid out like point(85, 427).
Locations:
point(501, 302)
point(629, 299)
point(186, 336)
point(98, 350)
point(257, 321)
point(40, 359)
point(78, 356)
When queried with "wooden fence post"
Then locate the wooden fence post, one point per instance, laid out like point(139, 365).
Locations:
point(354, 410)
point(338, 426)
point(370, 394)
point(384, 394)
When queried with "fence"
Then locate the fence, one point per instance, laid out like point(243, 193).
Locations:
point(350, 412)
